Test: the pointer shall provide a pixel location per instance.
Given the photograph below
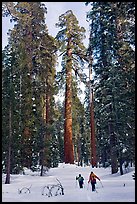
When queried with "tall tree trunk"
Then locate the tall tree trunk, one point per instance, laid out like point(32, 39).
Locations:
point(27, 133)
point(92, 123)
point(44, 154)
point(93, 139)
point(121, 162)
point(113, 145)
point(68, 144)
point(114, 156)
point(41, 162)
point(9, 150)
point(79, 151)
point(47, 134)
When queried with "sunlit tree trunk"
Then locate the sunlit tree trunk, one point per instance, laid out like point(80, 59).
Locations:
point(73, 51)
point(68, 144)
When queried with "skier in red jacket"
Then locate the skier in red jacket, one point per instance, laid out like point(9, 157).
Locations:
point(92, 179)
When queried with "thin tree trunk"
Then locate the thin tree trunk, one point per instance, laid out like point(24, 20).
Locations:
point(113, 147)
point(79, 152)
point(121, 163)
point(44, 112)
point(92, 123)
point(9, 149)
point(47, 134)
point(93, 141)
point(46, 118)
point(41, 162)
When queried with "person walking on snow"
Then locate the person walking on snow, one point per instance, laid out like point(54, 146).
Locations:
point(92, 180)
point(80, 180)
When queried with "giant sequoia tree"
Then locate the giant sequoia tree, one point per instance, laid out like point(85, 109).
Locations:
point(81, 153)
point(70, 42)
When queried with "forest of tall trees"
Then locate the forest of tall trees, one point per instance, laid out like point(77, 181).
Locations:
point(39, 132)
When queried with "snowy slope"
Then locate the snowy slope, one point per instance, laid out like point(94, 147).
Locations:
point(112, 188)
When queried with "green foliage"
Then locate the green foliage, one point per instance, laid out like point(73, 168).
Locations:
point(32, 60)
point(80, 138)
point(114, 63)
point(70, 29)
point(73, 53)
point(30, 82)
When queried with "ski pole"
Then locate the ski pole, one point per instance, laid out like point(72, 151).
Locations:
point(84, 185)
point(96, 190)
point(87, 186)
point(101, 184)
point(76, 184)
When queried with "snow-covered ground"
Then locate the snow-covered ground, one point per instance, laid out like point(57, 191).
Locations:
point(112, 188)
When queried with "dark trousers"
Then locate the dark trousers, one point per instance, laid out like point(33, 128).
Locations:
point(80, 184)
point(93, 186)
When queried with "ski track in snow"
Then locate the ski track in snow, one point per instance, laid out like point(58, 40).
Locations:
point(116, 188)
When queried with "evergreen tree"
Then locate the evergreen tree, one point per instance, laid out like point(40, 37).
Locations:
point(35, 53)
point(79, 132)
point(70, 43)
point(59, 129)
point(7, 111)
point(113, 60)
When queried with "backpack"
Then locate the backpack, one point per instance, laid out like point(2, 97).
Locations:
point(93, 178)
point(80, 179)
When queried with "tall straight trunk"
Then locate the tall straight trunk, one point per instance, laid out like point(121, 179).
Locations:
point(114, 137)
point(44, 154)
point(79, 152)
point(113, 143)
point(92, 127)
point(41, 162)
point(47, 134)
point(27, 134)
point(92, 122)
point(44, 116)
point(7, 181)
point(68, 144)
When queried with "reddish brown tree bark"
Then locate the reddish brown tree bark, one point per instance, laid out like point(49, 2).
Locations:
point(44, 154)
point(68, 144)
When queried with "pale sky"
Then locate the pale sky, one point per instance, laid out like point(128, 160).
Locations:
point(55, 9)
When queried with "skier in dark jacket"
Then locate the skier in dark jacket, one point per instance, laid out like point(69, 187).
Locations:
point(80, 179)
point(92, 179)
